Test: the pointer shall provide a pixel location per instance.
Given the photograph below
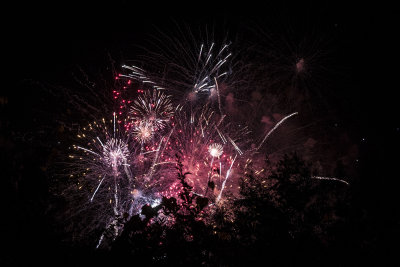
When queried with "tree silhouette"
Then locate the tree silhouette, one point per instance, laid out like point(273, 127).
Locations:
point(276, 215)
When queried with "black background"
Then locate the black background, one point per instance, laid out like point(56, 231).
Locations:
point(44, 42)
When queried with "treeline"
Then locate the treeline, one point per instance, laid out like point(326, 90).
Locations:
point(282, 218)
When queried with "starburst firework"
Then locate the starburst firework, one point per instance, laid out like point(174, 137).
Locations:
point(124, 169)
point(152, 108)
point(215, 150)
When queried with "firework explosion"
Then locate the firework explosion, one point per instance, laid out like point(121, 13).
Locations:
point(154, 108)
point(129, 161)
point(215, 150)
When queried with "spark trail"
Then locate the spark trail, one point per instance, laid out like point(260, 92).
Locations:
point(273, 129)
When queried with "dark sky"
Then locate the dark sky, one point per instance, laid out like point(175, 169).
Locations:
point(46, 42)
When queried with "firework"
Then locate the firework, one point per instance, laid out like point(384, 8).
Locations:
point(209, 67)
point(116, 173)
point(103, 151)
point(208, 149)
point(130, 161)
point(274, 128)
point(115, 154)
point(101, 165)
point(139, 75)
point(143, 131)
point(153, 107)
point(125, 168)
point(189, 70)
point(215, 150)
point(330, 179)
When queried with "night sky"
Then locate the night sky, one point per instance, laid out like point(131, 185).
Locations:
point(45, 44)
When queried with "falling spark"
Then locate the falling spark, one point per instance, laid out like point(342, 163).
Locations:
point(275, 127)
point(330, 179)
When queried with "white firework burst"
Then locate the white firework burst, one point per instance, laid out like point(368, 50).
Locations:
point(215, 150)
point(153, 107)
point(143, 131)
point(115, 153)
point(208, 68)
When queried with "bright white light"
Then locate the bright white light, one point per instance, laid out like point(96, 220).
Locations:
point(215, 150)
point(115, 152)
point(144, 131)
point(155, 203)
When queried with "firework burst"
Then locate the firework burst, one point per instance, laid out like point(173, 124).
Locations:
point(115, 154)
point(215, 150)
point(209, 149)
point(175, 108)
point(153, 107)
point(143, 131)
point(187, 68)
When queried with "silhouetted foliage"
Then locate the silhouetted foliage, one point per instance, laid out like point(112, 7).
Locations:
point(277, 214)
point(172, 232)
